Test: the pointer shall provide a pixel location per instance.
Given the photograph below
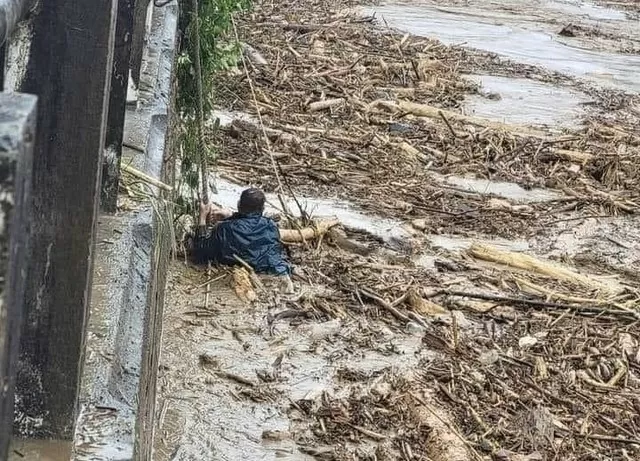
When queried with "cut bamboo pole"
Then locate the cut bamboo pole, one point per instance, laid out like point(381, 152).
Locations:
point(532, 264)
point(574, 155)
point(423, 306)
point(307, 233)
point(146, 178)
point(326, 104)
point(425, 110)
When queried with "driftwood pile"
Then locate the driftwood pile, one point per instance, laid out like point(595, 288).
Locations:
point(354, 109)
point(535, 359)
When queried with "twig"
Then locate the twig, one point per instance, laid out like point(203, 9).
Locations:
point(384, 304)
point(368, 433)
point(236, 378)
point(609, 438)
point(285, 209)
point(208, 290)
point(212, 280)
point(133, 147)
point(534, 303)
point(443, 117)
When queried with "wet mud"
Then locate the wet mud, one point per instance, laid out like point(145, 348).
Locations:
point(493, 316)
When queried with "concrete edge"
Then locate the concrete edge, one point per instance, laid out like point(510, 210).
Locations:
point(116, 416)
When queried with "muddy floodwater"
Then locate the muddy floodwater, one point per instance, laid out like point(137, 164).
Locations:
point(245, 381)
point(216, 410)
point(526, 34)
point(526, 102)
point(40, 450)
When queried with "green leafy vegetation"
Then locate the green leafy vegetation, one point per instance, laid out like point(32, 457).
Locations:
point(219, 51)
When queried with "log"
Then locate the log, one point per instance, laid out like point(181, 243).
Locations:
point(253, 127)
point(425, 110)
point(325, 104)
point(574, 156)
point(307, 233)
point(339, 239)
point(412, 152)
point(423, 306)
point(539, 266)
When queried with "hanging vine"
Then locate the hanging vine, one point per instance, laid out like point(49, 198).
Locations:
point(207, 33)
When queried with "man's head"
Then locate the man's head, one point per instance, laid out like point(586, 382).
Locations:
point(251, 201)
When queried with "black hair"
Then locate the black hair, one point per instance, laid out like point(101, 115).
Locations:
point(251, 201)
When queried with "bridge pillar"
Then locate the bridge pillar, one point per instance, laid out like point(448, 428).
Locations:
point(69, 69)
point(17, 132)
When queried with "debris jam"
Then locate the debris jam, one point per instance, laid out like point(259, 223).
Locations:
point(487, 324)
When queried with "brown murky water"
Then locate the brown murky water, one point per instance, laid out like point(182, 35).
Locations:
point(207, 413)
point(527, 32)
point(40, 450)
point(221, 410)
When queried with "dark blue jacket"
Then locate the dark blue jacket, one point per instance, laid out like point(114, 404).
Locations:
point(252, 237)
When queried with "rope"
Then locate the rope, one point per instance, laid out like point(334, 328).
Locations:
point(280, 189)
point(202, 159)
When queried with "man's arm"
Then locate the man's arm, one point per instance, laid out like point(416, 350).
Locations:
point(203, 245)
point(207, 238)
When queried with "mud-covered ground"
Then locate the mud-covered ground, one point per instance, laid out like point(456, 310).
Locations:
point(479, 299)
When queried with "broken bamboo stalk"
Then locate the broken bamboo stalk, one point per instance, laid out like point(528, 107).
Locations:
point(307, 233)
point(425, 110)
point(537, 290)
point(539, 266)
point(423, 306)
point(325, 104)
point(385, 305)
point(340, 239)
point(412, 152)
point(146, 178)
point(573, 155)
point(581, 309)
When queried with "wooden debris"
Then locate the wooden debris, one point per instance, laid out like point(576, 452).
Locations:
point(379, 148)
point(325, 104)
point(146, 178)
point(308, 233)
point(242, 285)
point(530, 263)
point(423, 306)
point(339, 238)
point(237, 378)
point(425, 110)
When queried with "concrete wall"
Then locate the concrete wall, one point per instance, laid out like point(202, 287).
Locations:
point(117, 399)
point(117, 368)
point(17, 132)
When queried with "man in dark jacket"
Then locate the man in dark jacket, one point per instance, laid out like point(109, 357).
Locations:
point(247, 235)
